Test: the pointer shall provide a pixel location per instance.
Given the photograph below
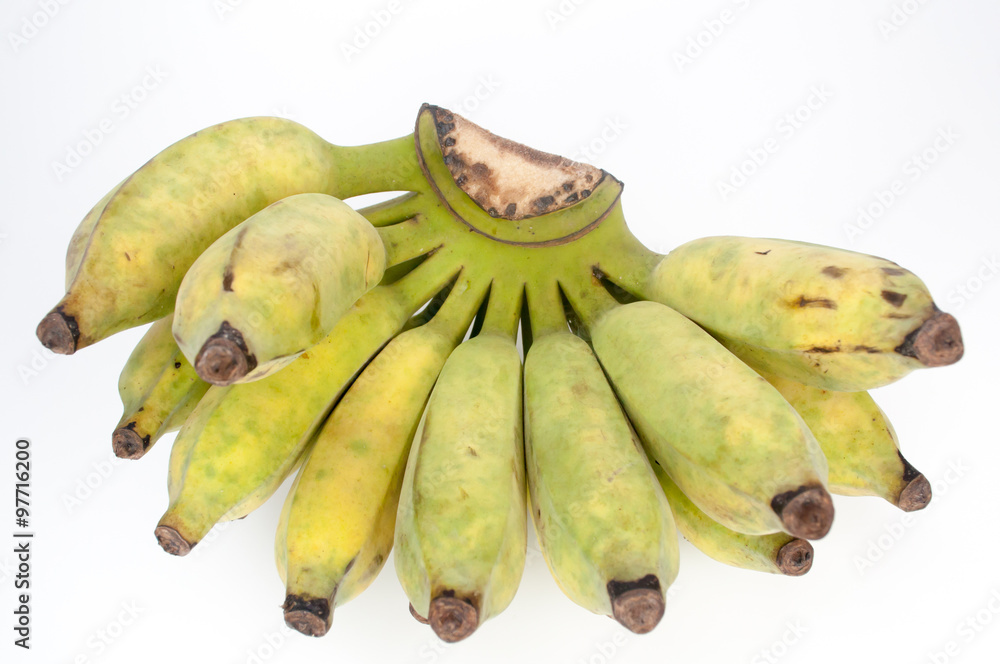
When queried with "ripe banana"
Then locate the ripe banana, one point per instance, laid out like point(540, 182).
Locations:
point(859, 443)
point(603, 525)
point(337, 524)
point(726, 437)
point(777, 553)
point(461, 525)
point(274, 286)
point(826, 317)
point(129, 254)
point(243, 437)
point(159, 390)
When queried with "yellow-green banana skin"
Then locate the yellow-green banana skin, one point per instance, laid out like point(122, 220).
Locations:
point(337, 529)
point(826, 317)
point(598, 512)
point(280, 280)
point(159, 389)
point(461, 527)
point(778, 553)
point(859, 443)
point(722, 433)
point(242, 437)
point(126, 259)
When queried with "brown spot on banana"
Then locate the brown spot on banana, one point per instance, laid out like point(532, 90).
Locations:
point(894, 271)
point(834, 272)
point(819, 302)
point(894, 298)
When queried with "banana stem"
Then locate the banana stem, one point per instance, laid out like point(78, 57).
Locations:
point(457, 312)
point(426, 280)
point(386, 166)
point(589, 300)
point(503, 310)
point(396, 209)
point(545, 309)
point(627, 263)
point(408, 239)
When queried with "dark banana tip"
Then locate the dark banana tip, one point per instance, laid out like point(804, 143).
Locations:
point(806, 512)
point(637, 605)
point(936, 343)
point(58, 333)
point(452, 619)
point(172, 542)
point(416, 616)
point(221, 361)
point(795, 558)
point(916, 495)
point(309, 616)
point(127, 444)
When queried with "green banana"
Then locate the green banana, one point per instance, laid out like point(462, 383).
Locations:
point(243, 437)
point(725, 436)
point(159, 390)
point(603, 525)
point(274, 286)
point(461, 525)
point(860, 445)
point(826, 317)
point(337, 525)
point(777, 553)
point(128, 256)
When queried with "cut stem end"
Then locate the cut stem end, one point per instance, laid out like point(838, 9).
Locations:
point(637, 605)
point(795, 558)
point(806, 512)
point(452, 619)
point(311, 617)
point(127, 444)
point(916, 495)
point(936, 343)
point(58, 333)
point(172, 542)
point(221, 361)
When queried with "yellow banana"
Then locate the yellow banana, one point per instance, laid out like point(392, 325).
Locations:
point(860, 445)
point(243, 437)
point(274, 286)
point(159, 390)
point(726, 437)
point(826, 317)
point(129, 254)
point(603, 525)
point(777, 553)
point(337, 525)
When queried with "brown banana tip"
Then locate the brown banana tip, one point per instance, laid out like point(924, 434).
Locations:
point(416, 616)
point(172, 542)
point(936, 343)
point(916, 495)
point(637, 605)
point(452, 619)
point(308, 616)
point(806, 512)
point(58, 332)
point(127, 444)
point(221, 361)
point(795, 558)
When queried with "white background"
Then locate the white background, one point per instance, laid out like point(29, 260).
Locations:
point(557, 77)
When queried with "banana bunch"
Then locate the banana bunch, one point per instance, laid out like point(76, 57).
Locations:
point(719, 391)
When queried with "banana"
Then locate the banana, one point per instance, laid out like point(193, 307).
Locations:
point(778, 553)
point(338, 520)
point(274, 286)
point(461, 524)
point(723, 434)
point(127, 258)
point(826, 317)
point(243, 437)
point(859, 443)
point(603, 525)
point(159, 390)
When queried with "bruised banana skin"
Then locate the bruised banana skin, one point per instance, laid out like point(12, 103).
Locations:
point(826, 317)
point(859, 443)
point(778, 553)
point(159, 389)
point(337, 526)
point(723, 434)
point(603, 525)
point(461, 528)
point(241, 438)
point(273, 286)
point(129, 254)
